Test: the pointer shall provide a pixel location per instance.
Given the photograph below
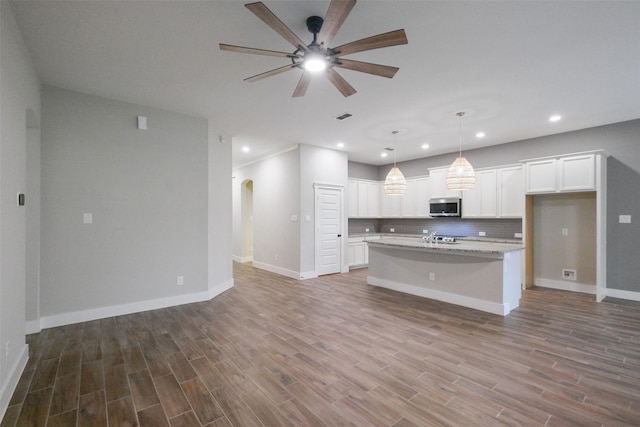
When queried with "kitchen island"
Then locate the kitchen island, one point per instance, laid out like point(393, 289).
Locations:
point(484, 275)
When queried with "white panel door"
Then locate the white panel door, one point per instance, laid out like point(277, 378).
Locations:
point(328, 230)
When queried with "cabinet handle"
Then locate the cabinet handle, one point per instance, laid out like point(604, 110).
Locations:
point(339, 235)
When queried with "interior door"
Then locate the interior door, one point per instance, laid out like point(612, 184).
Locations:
point(328, 224)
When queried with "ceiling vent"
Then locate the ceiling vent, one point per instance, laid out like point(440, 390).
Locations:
point(343, 116)
point(390, 149)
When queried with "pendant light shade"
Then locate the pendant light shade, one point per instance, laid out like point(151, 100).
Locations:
point(395, 184)
point(461, 175)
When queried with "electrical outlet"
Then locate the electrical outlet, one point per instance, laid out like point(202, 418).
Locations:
point(392, 230)
point(517, 235)
point(482, 233)
point(565, 231)
point(624, 219)
point(432, 276)
point(180, 281)
point(425, 231)
point(275, 257)
point(87, 218)
point(366, 230)
point(568, 274)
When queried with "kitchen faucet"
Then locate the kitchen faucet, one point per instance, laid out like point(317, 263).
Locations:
point(431, 238)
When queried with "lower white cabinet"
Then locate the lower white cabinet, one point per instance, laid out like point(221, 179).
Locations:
point(358, 251)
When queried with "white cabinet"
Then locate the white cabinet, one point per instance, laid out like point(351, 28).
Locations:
point(511, 196)
point(366, 199)
point(390, 205)
point(415, 202)
point(575, 172)
point(355, 252)
point(438, 183)
point(481, 201)
point(352, 199)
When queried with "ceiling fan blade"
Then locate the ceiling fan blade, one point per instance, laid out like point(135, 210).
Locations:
point(270, 73)
point(345, 88)
point(302, 86)
point(367, 67)
point(333, 20)
point(255, 51)
point(263, 12)
point(392, 38)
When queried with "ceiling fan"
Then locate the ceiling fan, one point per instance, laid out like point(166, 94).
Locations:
point(317, 55)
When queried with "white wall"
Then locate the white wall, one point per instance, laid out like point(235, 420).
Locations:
point(276, 190)
point(147, 191)
point(319, 165)
point(219, 258)
point(19, 92)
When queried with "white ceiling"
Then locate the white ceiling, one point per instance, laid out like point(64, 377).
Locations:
point(509, 65)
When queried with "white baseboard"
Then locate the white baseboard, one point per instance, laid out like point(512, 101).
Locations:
point(308, 275)
point(32, 327)
point(13, 376)
point(478, 304)
point(565, 285)
point(136, 307)
point(241, 259)
point(619, 293)
point(275, 269)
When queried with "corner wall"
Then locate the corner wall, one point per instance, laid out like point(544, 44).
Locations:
point(147, 193)
point(19, 93)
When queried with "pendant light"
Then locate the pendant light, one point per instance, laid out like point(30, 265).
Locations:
point(461, 175)
point(395, 184)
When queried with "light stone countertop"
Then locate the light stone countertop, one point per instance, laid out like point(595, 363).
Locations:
point(482, 248)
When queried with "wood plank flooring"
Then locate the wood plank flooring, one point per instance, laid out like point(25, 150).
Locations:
point(334, 351)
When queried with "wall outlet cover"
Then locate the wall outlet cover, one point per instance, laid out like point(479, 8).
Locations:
point(624, 219)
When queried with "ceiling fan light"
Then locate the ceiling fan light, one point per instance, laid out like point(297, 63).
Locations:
point(315, 62)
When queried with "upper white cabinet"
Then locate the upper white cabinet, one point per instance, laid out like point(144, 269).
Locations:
point(368, 199)
point(511, 196)
point(438, 183)
point(415, 202)
point(481, 201)
point(498, 193)
point(575, 172)
point(363, 199)
point(389, 205)
point(352, 199)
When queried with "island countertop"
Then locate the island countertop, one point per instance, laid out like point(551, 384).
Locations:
point(481, 248)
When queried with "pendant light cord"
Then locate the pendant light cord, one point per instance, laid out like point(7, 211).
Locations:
point(460, 114)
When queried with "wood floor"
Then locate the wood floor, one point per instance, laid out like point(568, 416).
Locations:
point(334, 351)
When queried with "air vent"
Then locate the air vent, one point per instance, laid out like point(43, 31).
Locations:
point(343, 116)
point(390, 149)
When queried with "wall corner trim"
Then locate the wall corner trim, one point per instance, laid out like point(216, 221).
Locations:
point(9, 386)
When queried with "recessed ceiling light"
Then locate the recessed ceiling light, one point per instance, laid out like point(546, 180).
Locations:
point(246, 149)
point(480, 135)
point(555, 118)
point(340, 144)
point(383, 154)
point(425, 146)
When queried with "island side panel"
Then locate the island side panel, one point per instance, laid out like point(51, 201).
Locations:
point(469, 281)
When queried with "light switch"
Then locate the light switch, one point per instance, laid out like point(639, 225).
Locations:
point(294, 218)
point(624, 219)
point(88, 218)
point(307, 218)
point(565, 231)
point(142, 123)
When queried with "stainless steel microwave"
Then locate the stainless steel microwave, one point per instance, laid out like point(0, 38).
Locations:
point(446, 206)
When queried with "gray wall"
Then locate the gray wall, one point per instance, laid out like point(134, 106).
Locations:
point(621, 141)
point(147, 191)
point(19, 116)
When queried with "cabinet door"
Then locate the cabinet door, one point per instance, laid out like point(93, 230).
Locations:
point(577, 173)
point(390, 205)
point(355, 253)
point(511, 196)
point(408, 200)
point(352, 198)
point(422, 196)
point(481, 201)
point(540, 176)
point(438, 183)
point(373, 199)
point(363, 200)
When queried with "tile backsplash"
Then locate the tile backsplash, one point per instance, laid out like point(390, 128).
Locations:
point(459, 227)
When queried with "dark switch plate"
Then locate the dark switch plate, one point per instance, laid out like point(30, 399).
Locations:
point(20, 199)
